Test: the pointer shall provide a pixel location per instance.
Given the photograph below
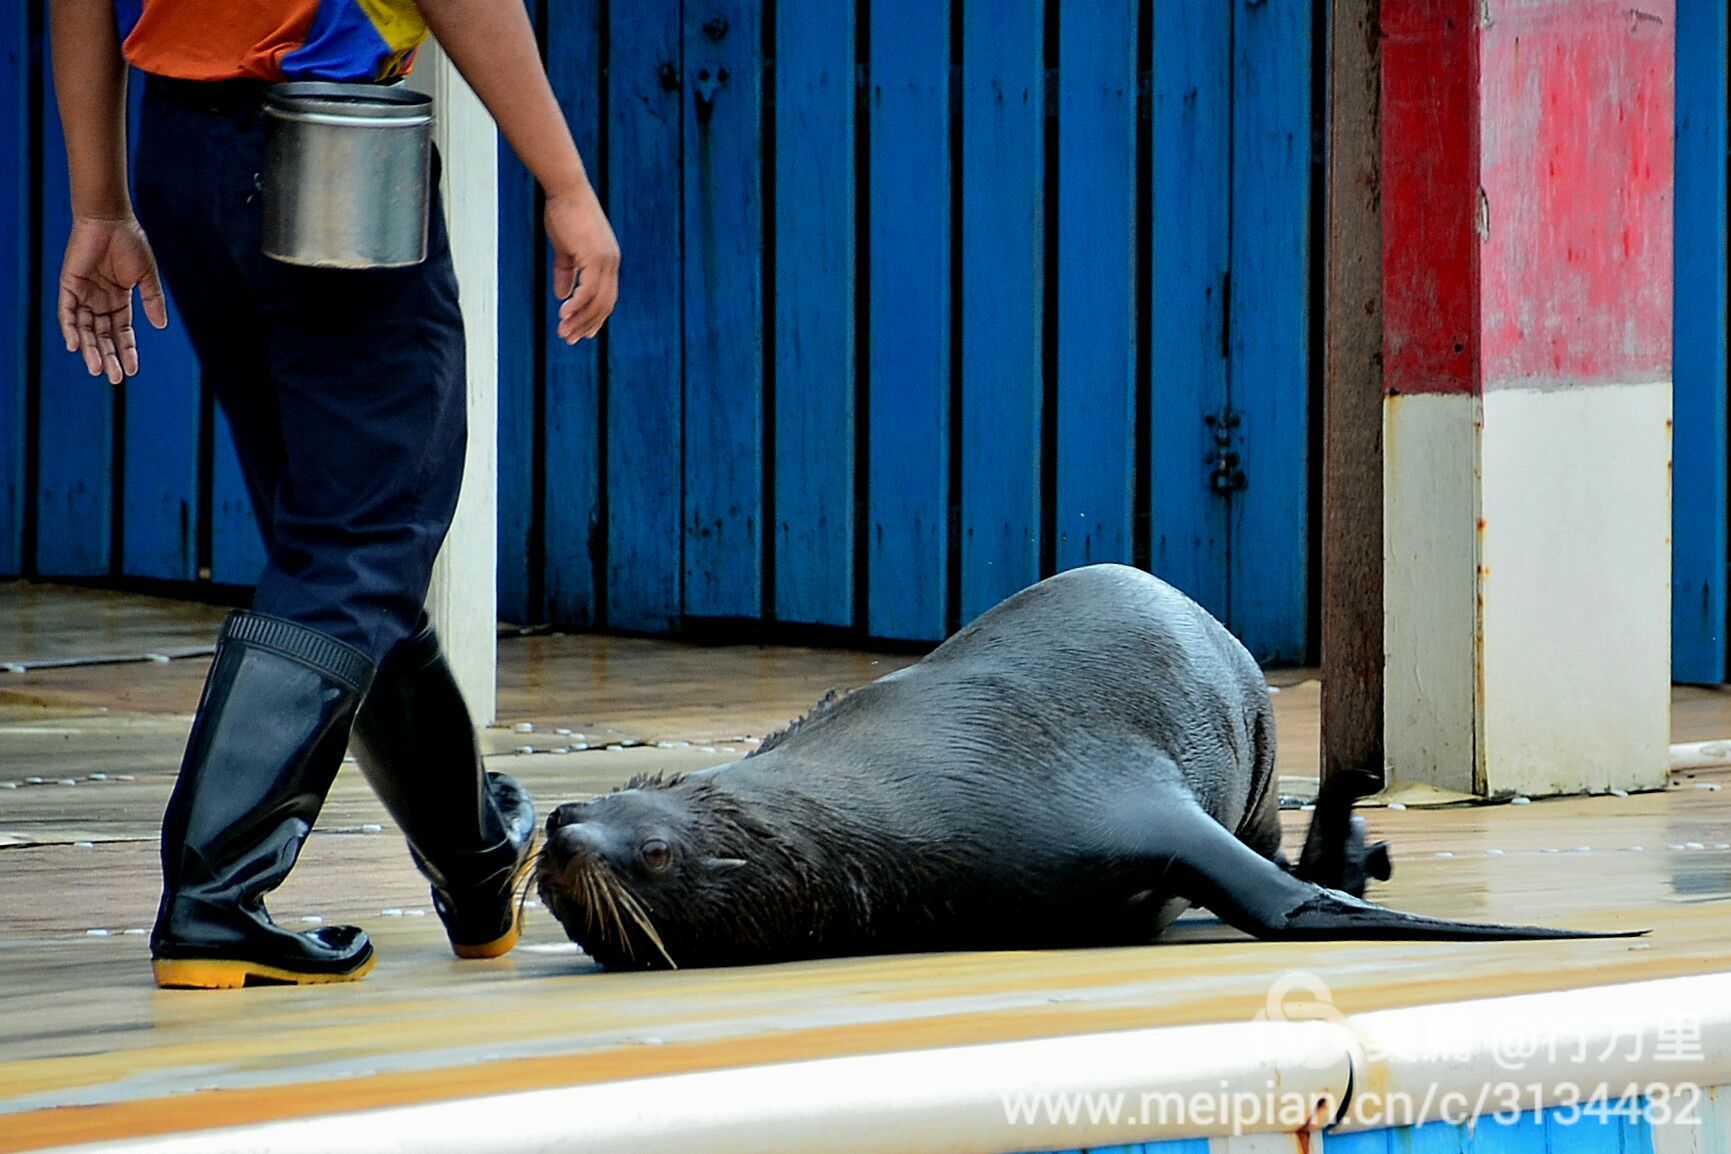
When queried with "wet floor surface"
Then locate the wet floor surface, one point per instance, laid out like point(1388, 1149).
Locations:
point(89, 1048)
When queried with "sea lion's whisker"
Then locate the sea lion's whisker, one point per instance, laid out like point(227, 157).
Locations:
point(613, 890)
point(529, 873)
point(528, 877)
point(598, 905)
point(522, 902)
point(641, 917)
point(591, 902)
point(602, 884)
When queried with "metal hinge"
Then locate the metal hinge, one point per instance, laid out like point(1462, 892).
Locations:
point(1225, 466)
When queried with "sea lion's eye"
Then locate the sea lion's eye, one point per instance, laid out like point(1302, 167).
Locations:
point(656, 854)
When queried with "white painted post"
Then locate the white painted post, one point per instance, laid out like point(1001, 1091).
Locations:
point(463, 598)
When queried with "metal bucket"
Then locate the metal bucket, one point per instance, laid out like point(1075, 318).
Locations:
point(346, 174)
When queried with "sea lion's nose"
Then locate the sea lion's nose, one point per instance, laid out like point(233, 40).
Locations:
point(570, 812)
point(571, 842)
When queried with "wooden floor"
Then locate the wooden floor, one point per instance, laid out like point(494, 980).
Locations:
point(90, 1049)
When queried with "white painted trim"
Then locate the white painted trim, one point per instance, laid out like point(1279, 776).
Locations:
point(1580, 1039)
point(1527, 589)
point(463, 600)
point(1430, 559)
point(1575, 588)
point(950, 1100)
point(953, 1099)
point(1701, 754)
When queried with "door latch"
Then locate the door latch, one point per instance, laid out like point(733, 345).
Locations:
point(1225, 465)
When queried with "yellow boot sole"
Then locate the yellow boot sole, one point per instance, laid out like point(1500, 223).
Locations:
point(217, 974)
point(506, 942)
point(497, 948)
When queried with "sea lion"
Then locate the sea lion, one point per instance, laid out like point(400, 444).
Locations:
point(1074, 768)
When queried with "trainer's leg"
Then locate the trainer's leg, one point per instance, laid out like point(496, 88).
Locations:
point(367, 369)
point(469, 832)
point(280, 698)
point(189, 207)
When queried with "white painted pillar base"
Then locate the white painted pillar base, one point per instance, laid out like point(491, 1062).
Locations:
point(463, 599)
point(1527, 570)
point(1430, 589)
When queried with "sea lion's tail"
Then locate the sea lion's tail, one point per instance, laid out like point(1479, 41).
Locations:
point(1331, 914)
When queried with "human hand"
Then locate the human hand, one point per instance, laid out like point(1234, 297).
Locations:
point(105, 260)
point(585, 259)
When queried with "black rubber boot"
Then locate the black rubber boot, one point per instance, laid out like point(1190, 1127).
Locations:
point(470, 832)
point(267, 742)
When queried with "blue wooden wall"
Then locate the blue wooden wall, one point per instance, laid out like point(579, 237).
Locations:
point(922, 301)
point(17, 285)
point(94, 481)
point(1699, 479)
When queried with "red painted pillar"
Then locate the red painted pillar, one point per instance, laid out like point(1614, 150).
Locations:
point(1526, 155)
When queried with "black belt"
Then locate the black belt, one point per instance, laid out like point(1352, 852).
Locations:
point(225, 96)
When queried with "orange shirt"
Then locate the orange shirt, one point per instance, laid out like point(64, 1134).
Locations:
point(343, 40)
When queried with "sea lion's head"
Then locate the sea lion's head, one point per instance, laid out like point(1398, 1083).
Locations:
point(665, 873)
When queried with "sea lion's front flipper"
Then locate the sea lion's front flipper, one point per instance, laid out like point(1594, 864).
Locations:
point(1206, 864)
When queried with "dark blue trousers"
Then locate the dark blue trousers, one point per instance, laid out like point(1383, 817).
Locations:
point(344, 389)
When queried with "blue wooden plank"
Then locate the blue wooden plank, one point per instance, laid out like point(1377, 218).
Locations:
point(237, 552)
point(1269, 541)
point(814, 321)
point(160, 505)
point(1358, 1142)
point(15, 279)
point(1592, 1130)
point(1437, 1138)
point(1097, 338)
point(1699, 512)
point(909, 329)
point(1637, 1125)
point(1191, 157)
point(522, 292)
point(75, 435)
point(571, 507)
point(644, 365)
point(1178, 1146)
point(723, 310)
point(159, 485)
point(1003, 248)
point(1489, 1134)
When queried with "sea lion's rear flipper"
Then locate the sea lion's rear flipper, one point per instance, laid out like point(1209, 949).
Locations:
point(1337, 854)
point(1204, 863)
